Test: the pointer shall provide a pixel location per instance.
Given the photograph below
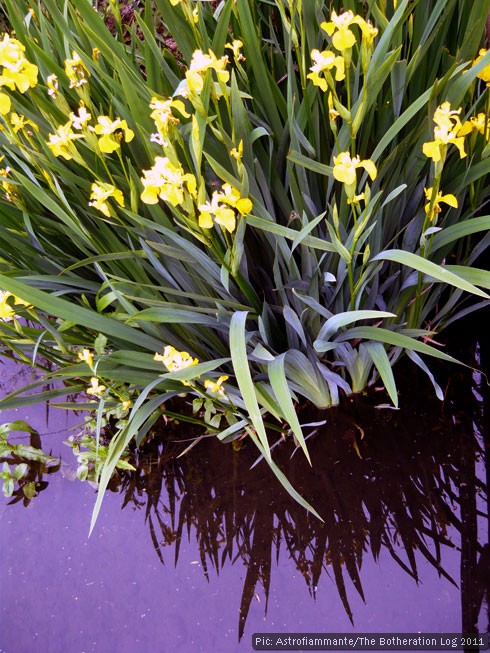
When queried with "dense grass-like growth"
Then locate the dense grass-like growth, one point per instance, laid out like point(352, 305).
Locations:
point(255, 204)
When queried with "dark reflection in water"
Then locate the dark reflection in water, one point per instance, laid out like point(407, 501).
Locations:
point(405, 481)
point(409, 484)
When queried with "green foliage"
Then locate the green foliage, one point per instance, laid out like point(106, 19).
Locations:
point(22, 464)
point(240, 185)
point(91, 456)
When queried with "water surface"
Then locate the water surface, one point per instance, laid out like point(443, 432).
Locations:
point(197, 554)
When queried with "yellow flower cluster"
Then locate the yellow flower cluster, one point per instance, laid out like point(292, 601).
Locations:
point(221, 209)
point(175, 360)
point(343, 39)
point(16, 72)
point(110, 132)
point(167, 182)
point(447, 129)
point(7, 310)
point(101, 193)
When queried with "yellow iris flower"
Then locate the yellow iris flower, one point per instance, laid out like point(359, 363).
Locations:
point(19, 123)
point(10, 190)
point(213, 211)
point(448, 125)
point(7, 309)
point(52, 84)
point(76, 70)
point(167, 182)
point(236, 46)
point(231, 196)
point(345, 167)
point(5, 104)
point(478, 123)
point(325, 61)
point(87, 357)
point(81, 119)
point(101, 193)
point(175, 360)
point(11, 51)
point(61, 142)
point(111, 133)
point(17, 72)
point(95, 388)
point(368, 32)
point(163, 117)
point(485, 73)
point(221, 209)
point(23, 76)
point(200, 64)
point(216, 387)
point(449, 199)
point(338, 28)
point(237, 152)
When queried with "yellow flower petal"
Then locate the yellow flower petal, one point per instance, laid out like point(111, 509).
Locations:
point(329, 27)
point(450, 200)
point(226, 218)
point(150, 196)
point(318, 81)
point(344, 169)
point(108, 144)
point(205, 220)
point(244, 205)
point(432, 150)
point(343, 39)
point(5, 103)
point(370, 168)
point(459, 142)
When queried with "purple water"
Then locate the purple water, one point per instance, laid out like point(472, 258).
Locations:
point(63, 592)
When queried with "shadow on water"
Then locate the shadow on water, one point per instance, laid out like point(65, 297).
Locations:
point(411, 482)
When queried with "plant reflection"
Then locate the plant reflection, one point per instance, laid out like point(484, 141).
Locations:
point(24, 465)
point(412, 482)
point(404, 480)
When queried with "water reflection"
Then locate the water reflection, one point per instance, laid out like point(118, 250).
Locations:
point(24, 466)
point(407, 481)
